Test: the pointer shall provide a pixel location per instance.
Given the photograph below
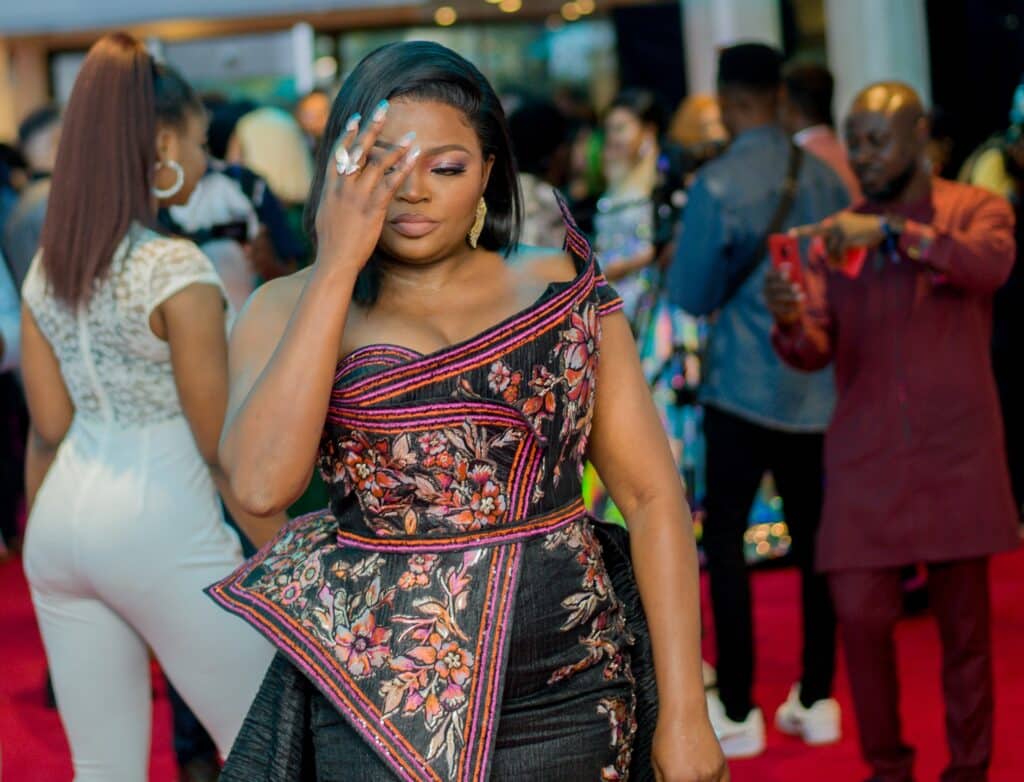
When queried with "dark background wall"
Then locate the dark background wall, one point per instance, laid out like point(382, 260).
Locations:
point(650, 49)
point(977, 58)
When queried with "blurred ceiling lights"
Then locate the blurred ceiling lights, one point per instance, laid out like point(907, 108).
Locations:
point(325, 68)
point(574, 10)
point(447, 15)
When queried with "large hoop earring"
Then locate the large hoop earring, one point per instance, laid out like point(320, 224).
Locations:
point(478, 224)
point(179, 179)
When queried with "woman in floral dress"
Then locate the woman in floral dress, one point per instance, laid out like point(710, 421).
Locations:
point(634, 221)
point(451, 615)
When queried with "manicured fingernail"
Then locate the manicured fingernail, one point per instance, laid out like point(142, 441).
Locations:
point(413, 153)
point(356, 155)
point(353, 122)
point(407, 139)
point(380, 112)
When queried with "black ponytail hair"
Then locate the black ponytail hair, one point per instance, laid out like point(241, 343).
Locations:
point(174, 98)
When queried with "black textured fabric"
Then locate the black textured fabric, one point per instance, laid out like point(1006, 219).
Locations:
point(273, 744)
point(615, 544)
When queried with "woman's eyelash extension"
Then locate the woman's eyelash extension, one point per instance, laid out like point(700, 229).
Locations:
point(449, 170)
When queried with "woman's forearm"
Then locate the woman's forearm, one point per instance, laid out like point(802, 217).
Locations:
point(667, 573)
point(39, 455)
point(270, 441)
point(259, 529)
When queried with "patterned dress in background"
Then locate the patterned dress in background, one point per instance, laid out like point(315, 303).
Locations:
point(452, 610)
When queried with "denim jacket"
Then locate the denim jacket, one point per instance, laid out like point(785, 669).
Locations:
point(728, 210)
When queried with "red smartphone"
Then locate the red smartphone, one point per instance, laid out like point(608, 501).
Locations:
point(785, 252)
point(853, 260)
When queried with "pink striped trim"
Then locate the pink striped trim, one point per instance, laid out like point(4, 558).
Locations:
point(528, 457)
point(480, 350)
point(523, 505)
point(487, 708)
point(444, 414)
point(300, 654)
point(485, 538)
point(608, 307)
point(374, 355)
point(428, 424)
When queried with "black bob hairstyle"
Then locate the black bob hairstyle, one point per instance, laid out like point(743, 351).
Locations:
point(427, 71)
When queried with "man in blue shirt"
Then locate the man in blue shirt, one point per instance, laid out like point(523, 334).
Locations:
point(759, 414)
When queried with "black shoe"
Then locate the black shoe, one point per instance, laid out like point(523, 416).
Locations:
point(50, 697)
point(915, 601)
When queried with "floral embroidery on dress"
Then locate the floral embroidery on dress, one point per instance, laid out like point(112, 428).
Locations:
point(364, 647)
point(411, 484)
point(418, 574)
point(433, 673)
point(503, 380)
point(596, 604)
point(421, 658)
point(622, 719)
point(578, 349)
point(542, 403)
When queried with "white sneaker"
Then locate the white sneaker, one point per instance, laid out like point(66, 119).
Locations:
point(817, 725)
point(710, 675)
point(738, 739)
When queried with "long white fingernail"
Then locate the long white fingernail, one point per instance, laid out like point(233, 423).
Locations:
point(413, 153)
point(356, 155)
point(407, 139)
point(353, 123)
point(380, 112)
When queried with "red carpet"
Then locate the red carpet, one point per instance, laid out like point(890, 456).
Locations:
point(33, 749)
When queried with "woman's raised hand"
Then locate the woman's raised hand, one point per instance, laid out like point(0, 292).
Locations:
point(357, 190)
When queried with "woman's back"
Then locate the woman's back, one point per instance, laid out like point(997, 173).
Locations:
point(116, 369)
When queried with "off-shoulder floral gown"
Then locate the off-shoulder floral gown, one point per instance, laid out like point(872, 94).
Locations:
point(450, 617)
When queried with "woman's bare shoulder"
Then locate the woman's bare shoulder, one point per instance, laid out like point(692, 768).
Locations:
point(544, 264)
point(271, 305)
point(280, 294)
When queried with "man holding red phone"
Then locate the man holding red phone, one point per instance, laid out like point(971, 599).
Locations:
point(914, 456)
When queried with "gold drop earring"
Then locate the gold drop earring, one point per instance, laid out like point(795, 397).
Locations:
point(478, 224)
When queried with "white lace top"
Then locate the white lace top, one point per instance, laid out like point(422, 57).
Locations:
point(116, 369)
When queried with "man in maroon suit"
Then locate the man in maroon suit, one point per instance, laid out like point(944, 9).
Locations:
point(914, 456)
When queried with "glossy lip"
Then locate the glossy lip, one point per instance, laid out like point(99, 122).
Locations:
point(413, 226)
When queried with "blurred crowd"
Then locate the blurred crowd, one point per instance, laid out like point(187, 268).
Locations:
point(675, 199)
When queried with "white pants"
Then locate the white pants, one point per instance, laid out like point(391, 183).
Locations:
point(125, 533)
